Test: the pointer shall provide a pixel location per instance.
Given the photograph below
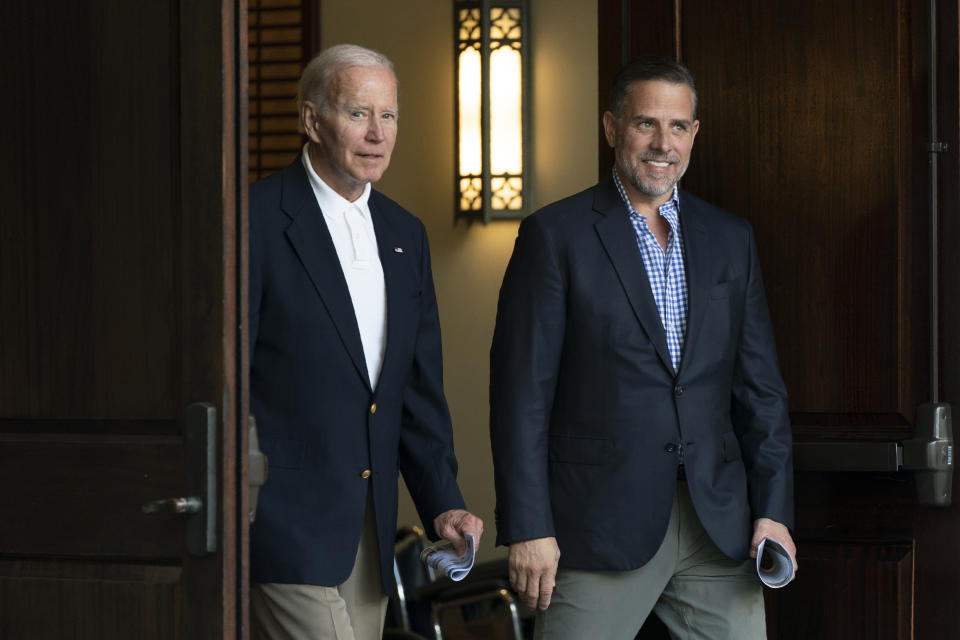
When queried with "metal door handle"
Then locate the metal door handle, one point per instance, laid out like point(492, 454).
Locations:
point(928, 454)
point(200, 456)
point(188, 506)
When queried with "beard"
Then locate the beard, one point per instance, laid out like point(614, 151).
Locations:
point(654, 187)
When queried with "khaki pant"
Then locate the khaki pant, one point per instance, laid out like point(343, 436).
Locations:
point(353, 610)
point(695, 590)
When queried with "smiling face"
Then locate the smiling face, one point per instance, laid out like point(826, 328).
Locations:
point(352, 138)
point(652, 136)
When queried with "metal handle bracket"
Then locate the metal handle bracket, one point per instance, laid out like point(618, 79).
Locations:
point(200, 505)
point(928, 454)
point(201, 458)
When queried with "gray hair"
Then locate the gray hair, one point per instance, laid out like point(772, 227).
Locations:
point(319, 74)
point(646, 68)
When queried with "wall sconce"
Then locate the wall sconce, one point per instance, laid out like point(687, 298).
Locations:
point(493, 107)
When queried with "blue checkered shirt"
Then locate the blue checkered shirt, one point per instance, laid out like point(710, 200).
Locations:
point(665, 269)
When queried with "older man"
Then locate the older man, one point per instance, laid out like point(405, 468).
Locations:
point(346, 373)
point(638, 418)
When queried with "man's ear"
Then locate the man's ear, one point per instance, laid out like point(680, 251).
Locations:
point(310, 118)
point(610, 128)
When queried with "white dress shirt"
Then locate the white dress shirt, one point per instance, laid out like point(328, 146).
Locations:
point(351, 229)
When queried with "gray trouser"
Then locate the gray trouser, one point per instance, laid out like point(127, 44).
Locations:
point(695, 590)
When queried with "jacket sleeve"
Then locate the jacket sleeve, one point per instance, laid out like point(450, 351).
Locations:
point(759, 406)
point(427, 459)
point(524, 364)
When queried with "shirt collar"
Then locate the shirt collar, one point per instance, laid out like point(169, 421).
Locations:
point(332, 203)
point(668, 209)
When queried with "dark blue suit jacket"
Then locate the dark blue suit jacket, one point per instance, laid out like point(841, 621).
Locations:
point(586, 411)
point(311, 395)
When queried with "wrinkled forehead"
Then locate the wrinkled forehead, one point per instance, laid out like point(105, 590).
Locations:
point(365, 83)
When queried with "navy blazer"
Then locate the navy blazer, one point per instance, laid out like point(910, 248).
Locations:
point(586, 410)
point(320, 423)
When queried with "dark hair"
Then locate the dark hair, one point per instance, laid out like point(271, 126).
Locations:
point(649, 67)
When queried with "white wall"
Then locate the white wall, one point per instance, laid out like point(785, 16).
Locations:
point(469, 259)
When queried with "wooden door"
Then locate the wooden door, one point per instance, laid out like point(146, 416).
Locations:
point(815, 125)
point(122, 288)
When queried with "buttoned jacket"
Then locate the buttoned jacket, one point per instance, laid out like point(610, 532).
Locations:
point(587, 413)
point(328, 435)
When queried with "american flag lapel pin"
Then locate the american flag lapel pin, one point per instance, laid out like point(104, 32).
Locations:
point(397, 250)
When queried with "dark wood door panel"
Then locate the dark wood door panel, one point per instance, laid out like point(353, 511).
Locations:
point(807, 133)
point(82, 495)
point(89, 185)
point(835, 596)
point(121, 278)
point(87, 600)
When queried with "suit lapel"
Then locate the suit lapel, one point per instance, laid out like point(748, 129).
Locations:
point(310, 239)
point(696, 244)
point(620, 242)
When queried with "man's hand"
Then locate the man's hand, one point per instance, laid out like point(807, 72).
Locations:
point(533, 569)
point(453, 524)
point(767, 528)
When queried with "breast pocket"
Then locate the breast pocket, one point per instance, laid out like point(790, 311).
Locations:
point(724, 290)
point(721, 325)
